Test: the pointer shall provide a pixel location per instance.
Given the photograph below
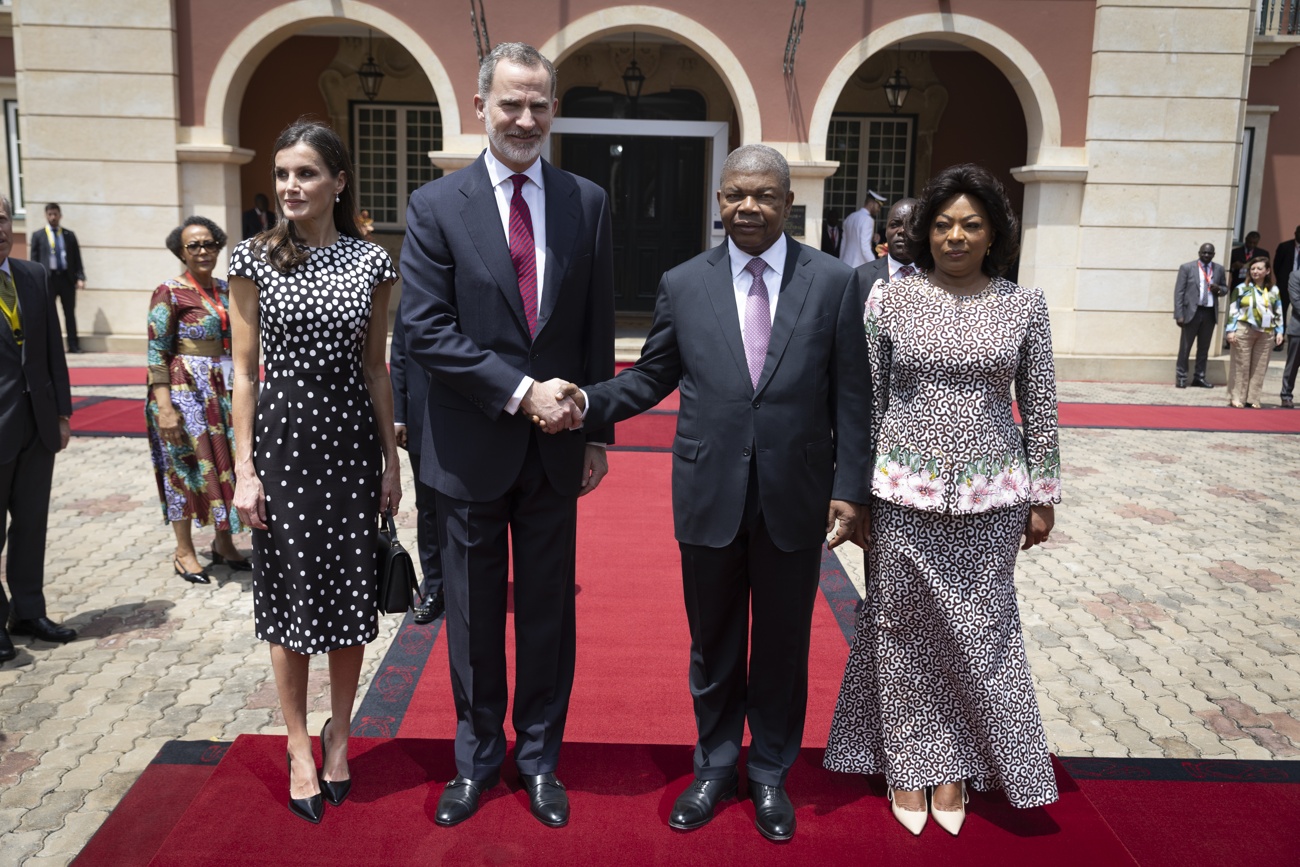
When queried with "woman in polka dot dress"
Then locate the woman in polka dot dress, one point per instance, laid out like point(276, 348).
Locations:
point(316, 458)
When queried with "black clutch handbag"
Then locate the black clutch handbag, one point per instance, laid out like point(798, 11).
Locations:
point(397, 584)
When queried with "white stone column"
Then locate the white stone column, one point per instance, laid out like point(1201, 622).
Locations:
point(1166, 104)
point(98, 106)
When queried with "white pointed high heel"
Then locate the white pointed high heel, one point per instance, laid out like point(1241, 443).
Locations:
point(951, 820)
point(912, 820)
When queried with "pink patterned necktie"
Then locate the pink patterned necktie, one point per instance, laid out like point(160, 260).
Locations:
point(523, 252)
point(904, 272)
point(758, 320)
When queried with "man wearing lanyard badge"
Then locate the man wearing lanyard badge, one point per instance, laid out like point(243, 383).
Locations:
point(57, 249)
point(35, 406)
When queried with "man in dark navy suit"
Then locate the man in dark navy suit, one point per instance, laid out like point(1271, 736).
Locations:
point(57, 249)
point(764, 337)
point(508, 283)
point(410, 397)
point(35, 408)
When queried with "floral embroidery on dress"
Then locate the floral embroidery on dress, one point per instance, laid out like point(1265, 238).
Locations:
point(945, 375)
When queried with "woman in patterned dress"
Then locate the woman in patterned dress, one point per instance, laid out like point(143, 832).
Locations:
point(188, 409)
point(317, 457)
point(937, 693)
point(1255, 326)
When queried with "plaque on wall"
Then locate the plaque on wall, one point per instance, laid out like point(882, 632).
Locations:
point(794, 224)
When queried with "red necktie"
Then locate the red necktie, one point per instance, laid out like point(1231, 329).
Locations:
point(523, 252)
point(904, 272)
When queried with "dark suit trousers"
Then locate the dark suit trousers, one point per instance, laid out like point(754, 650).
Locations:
point(721, 586)
point(426, 531)
point(1292, 366)
point(1201, 330)
point(25, 507)
point(64, 288)
point(538, 526)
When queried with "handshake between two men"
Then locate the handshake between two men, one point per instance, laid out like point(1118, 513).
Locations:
point(557, 405)
point(554, 405)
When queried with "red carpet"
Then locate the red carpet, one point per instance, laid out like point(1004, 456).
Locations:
point(109, 376)
point(1176, 824)
point(620, 794)
point(633, 643)
point(108, 416)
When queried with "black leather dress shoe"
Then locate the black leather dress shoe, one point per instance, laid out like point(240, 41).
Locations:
point(1201, 383)
point(432, 608)
point(460, 799)
point(7, 651)
point(547, 799)
point(694, 807)
point(1180, 384)
point(43, 628)
point(773, 812)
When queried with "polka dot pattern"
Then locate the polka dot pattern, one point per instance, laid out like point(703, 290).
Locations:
point(316, 448)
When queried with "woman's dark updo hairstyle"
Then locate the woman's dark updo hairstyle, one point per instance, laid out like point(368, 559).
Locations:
point(174, 236)
point(976, 182)
point(1268, 278)
point(280, 245)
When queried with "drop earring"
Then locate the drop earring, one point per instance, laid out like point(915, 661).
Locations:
point(336, 198)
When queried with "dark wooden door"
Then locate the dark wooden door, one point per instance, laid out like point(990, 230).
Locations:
point(657, 189)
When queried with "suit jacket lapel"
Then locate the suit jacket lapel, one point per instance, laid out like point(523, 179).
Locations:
point(794, 291)
point(563, 213)
point(721, 290)
point(483, 221)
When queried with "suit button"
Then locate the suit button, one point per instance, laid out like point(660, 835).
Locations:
point(746, 451)
point(757, 404)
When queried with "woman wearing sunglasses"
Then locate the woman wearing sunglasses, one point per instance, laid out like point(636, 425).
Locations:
point(188, 411)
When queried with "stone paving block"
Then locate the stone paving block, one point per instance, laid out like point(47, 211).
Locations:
point(21, 844)
point(71, 838)
point(52, 811)
point(89, 771)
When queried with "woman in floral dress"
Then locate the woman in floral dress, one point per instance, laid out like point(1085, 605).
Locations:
point(937, 693)
point(188, 410)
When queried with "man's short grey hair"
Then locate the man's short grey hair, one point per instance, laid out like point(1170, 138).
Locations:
point(8, 206)
point(757, 159)
point(520, 53)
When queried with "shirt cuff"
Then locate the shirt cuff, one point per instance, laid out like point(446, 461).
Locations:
point(512, 406)
point(585, 404)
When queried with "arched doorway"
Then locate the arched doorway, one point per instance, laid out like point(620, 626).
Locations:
point(959, 108)
point(1050, 175)
point(390, 136)
point(656, 155)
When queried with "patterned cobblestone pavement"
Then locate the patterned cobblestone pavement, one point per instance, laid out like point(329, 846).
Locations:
point(1163, 619)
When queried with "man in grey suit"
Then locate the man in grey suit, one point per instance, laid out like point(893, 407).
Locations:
point(896, 264)
point(1196, 294)
point(509, 282)
point(764, 337)
point(1292, 291)
point(35, 408)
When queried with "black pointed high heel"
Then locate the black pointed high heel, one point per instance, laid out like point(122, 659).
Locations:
point(311, 808)
point(336, 791)
point(199, 577)
point(235, 565)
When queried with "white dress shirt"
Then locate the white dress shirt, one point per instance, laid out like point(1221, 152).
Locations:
point(859, 229)
point(534, 193)
point(741, 280)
